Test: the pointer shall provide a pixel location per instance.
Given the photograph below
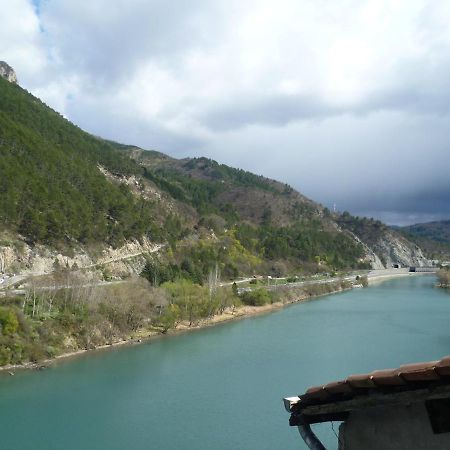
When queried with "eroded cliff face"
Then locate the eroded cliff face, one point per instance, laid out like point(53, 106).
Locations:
point(383, 246)
point(7, 72)
point(370, 256)
point(19, 257)
point(392, 248)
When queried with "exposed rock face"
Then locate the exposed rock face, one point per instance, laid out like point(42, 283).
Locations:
point(384, 247)
point(392, 248)
point(7, 258)
point(370, 256)
point(7, 72)
point(395, 249)
point(40, 260)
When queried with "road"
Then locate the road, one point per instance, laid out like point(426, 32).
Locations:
point(12, 281)
point(7, 282)
point(157, 248)
point(379, 274)
point(373, 275)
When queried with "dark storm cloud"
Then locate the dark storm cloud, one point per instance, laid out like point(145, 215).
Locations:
point(428, 202)
point(402, 200)
point(276, 110)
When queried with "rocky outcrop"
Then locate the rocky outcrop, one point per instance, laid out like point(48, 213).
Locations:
point(370, 256)
point(392, 249)
point(40, 260)
point(7, 72)
point(7, 259)
point(383, 246)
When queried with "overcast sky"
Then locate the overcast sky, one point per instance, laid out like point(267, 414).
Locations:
point(346, 100)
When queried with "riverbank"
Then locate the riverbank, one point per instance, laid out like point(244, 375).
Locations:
point(287, 295)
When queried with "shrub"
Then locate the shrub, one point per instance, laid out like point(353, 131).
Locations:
point(5, 355)
point(345, 284)
point(8, 321)
point(169, 318)
point(364, 281)
point(257, 297)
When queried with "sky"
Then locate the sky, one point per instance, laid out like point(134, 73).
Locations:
point(348, 101)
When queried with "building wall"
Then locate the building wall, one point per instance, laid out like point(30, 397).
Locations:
point(399, 428)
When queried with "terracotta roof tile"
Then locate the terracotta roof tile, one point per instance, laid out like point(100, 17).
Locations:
point(406, 377)
point(419, 371)
point(361, 381)
point(387, 377)
point(443, 367)
point(314, 394)
point(338, 387)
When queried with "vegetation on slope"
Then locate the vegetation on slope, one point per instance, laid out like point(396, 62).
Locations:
point(369, 230)
point(437, 231)
point(267, 219)
point(50, 188)
point(432, 237)
point(53, 193)
point(49, 322)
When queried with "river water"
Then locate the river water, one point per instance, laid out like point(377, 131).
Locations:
point(222, 387)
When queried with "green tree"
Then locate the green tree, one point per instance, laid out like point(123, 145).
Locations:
point(257, 297)
point(8, 321)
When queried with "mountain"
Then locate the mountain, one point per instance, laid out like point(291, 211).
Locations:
point(77, 210)
point(436, 231)
point(67, 197)
point(433, 237)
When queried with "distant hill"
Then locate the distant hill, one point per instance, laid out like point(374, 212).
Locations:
point(63, 188)
point(433, 237)
point(438, 231)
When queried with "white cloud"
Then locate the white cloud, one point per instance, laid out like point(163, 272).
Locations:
point(187, 60)
point(321, 85)
point(20, 39)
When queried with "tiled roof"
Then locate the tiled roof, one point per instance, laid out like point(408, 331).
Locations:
point(410, 377)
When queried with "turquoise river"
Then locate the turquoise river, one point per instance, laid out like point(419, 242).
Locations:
point(222, 387)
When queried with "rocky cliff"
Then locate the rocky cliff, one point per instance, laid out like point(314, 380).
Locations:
point(393, 248)
point(20, 257)
point(7, 72)
point(383, 246)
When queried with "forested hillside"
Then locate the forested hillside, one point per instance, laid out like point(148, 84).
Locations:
point(50, 188)
point(269, 219)
point(433, 237)
point(436, 231)
point(61, 187)
point(77, 212)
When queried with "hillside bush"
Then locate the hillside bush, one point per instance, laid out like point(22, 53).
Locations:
point(256, 297)
point(9, 324)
